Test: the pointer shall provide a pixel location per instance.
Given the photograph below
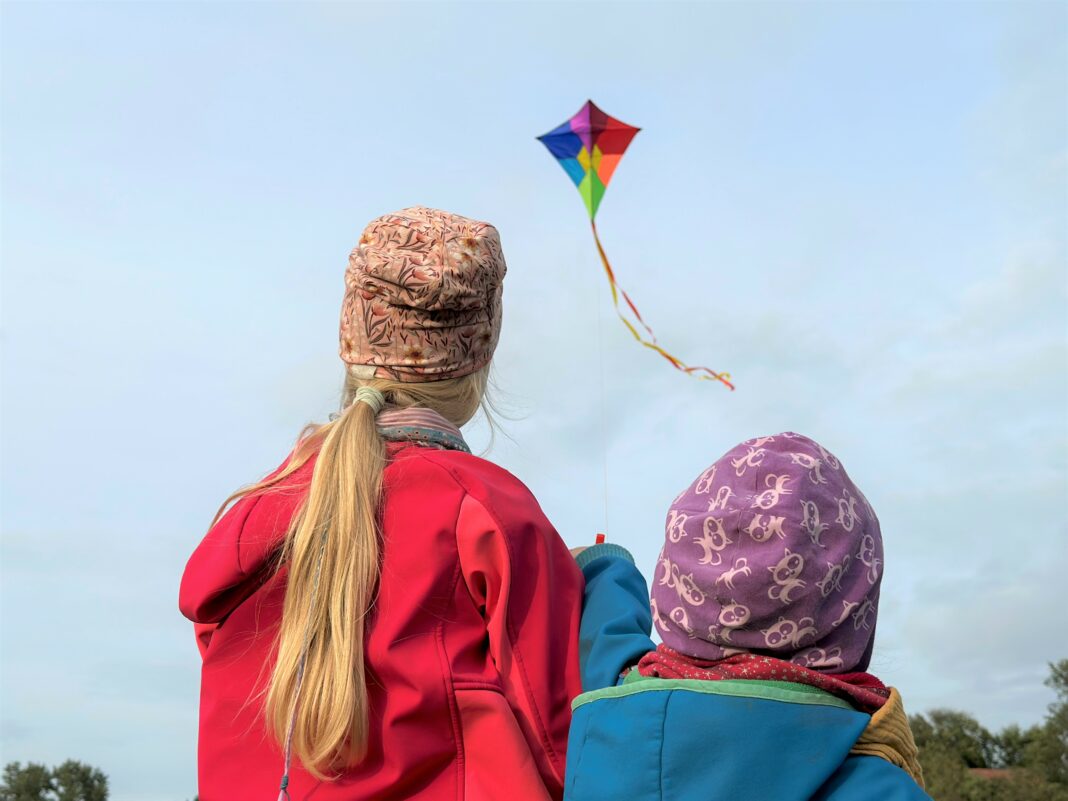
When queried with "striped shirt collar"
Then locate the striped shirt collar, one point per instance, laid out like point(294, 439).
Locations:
point(421, 426)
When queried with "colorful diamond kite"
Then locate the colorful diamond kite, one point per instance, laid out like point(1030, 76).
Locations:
point(590, 139)
point(589, 147)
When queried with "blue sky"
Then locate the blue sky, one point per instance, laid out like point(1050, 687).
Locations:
point(857, 209)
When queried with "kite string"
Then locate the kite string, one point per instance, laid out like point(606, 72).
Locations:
point(678, 364)
point(604, 408)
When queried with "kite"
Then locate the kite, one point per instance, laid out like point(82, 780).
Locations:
point(589, 147)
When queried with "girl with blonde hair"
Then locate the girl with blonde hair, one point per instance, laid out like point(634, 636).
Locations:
point(387, 616)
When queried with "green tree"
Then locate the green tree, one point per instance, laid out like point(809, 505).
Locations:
point(1047, 752)
point(1034, 761)
point(75, 781)
point(1057, 722)
point(30, 783)
point(959, 734)
point(944, 772)
point(1012, 744)
point(71, 781)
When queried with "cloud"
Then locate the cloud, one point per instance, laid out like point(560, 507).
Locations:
point(988, 632)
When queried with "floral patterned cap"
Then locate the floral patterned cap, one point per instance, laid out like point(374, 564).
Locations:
point(773, 551)
point(422, 297)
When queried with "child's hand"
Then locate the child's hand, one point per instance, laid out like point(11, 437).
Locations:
point(576, 551)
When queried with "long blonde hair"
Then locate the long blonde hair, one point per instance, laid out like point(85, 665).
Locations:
point(332, 552)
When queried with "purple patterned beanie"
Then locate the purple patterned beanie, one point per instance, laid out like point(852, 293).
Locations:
point(772, 551)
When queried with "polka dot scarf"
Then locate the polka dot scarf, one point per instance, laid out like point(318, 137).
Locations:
point(862, 690)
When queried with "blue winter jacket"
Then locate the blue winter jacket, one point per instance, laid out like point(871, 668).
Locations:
point(652, 739)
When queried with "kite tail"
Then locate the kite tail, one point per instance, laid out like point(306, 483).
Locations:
point(703, 373)
point(617, 288)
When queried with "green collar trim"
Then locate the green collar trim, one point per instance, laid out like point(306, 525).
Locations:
point(785, 692)
point(634, 676)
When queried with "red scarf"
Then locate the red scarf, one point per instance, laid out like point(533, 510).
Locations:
point(862, 690)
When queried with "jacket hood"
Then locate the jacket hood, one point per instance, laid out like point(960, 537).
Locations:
point(889, 737)
point(238, 554)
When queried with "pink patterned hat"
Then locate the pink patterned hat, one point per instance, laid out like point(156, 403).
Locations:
point(773, 551)
point(422, 297)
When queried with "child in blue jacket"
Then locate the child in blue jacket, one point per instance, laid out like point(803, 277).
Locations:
point(765, 596)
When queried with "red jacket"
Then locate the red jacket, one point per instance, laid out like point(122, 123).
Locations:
point(472, 649)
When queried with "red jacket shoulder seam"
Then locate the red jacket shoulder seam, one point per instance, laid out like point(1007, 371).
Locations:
point(543, 731)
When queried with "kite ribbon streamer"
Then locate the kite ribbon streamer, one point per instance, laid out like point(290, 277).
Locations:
point(704, 373)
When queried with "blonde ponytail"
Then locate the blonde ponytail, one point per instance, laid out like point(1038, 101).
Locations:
point(331, 551)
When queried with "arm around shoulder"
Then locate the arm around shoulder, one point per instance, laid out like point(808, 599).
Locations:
point(616, 621)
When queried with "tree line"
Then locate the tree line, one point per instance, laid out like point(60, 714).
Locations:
point(71, 781)
point(962, 760)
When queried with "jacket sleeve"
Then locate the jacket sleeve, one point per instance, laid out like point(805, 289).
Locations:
point(616, 621)
point(529, 590)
